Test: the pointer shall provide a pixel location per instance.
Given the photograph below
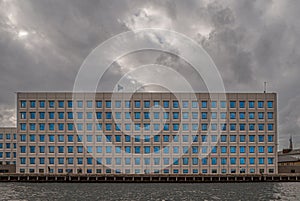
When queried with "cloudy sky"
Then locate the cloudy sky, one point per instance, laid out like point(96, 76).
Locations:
point(43, 43)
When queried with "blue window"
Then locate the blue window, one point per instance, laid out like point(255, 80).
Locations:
point(32, 104)
point(175, 115)
point(204, 161)
point(51, 115)
point(251, 104)
point(242, 149)
point(223, 161)
point(108, 127)
point(232, 138)
point(185, 127)
point(61, 104)
point(214, 115)
point(195, 149)
point(204, 127)
point(214, 161)
point(51, 104)
point(70, 126)
point(223, 104)
point(127, 127)
point(185, 161)
point(223, 115)
point(214, 104)
point(137, 115)
point(214, 138)
point(42, 161)
point(261, 127)
point(252, 138)
point(156, 104)
point(195, 127)
point(242, 104)
point(270, 161)
point(146, 115)
point(204, 138)
point(175, 127)
point(242, 161)
point(99, 104)
point(270, 115)
point(270, 127)
point(251, 115)
point(242, 127)
point(233, 149)
point(23, 149)
point(99, 149)
point(185, 104)
point(242, 115)
point(118, 115)
point(195, 161)
point(232, 115)
point(223, 149)
point(108, 104)
point(261, 161)
point(146, 104)
point(232, 104)
point(251, 127)
point(260, 104)
point(89, 115)
point(270, 138)
point(214, 150)
point(23, 126)
point(214, 127)
point(166, 104)
point(99, 115)
point(232, 127)
point(252, 161)
point(156, 138)
point(233, 161)
point(137, 104)
point(32, 126)
point(70, 149)
point(261, 149)
point(204, 115)
point(137, 127)
point(89, 104)
point(108, 115)
point(61, 115)
point(80, 104)
point(42, 104)
point(204, 104)
point(261, 115)
point(147, 150)
point(270, 149)
point(23, 104)
point(23, 138)
point(70, 115)
point(156, 115)
point(70, 104)
point(166, 115)
point(270, 104)
point(261, 138)
point(175, 104)
point(108, 138)
point(223, 138)
point(185, 115)
point(242, 138)
point(128, 149)
point(32, 161)
point(127, 138)
point(51, 160)
point(194, 104)
point(32, 115)
point(61, 149)
point(61, 126)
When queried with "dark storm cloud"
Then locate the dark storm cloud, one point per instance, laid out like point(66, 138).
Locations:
point(43, 44)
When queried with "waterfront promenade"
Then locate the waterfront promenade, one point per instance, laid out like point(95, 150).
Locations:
point(147, 178)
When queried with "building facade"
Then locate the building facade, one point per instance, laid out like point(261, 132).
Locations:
point(8, 148)
point(165, 133)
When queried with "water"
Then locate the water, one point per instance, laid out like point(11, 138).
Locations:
point(150, 191)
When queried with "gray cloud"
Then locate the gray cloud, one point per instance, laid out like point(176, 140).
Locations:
point(43, 43)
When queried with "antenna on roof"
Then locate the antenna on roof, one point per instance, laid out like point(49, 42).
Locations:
point(265, 87)
point(291, 143)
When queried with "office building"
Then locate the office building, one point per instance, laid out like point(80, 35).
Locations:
point(147, 133)
point(8, 147)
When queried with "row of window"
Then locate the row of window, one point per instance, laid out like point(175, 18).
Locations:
point(156, 171)
point(148, 149)
point(8, 145)
point(145, 126)
point(149, 161)
point(8, 154)
point(8, 136)
point(146, 115)
point(147, 138)
point(147, 104)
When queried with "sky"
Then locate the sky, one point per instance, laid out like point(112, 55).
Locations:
point(44, 43)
